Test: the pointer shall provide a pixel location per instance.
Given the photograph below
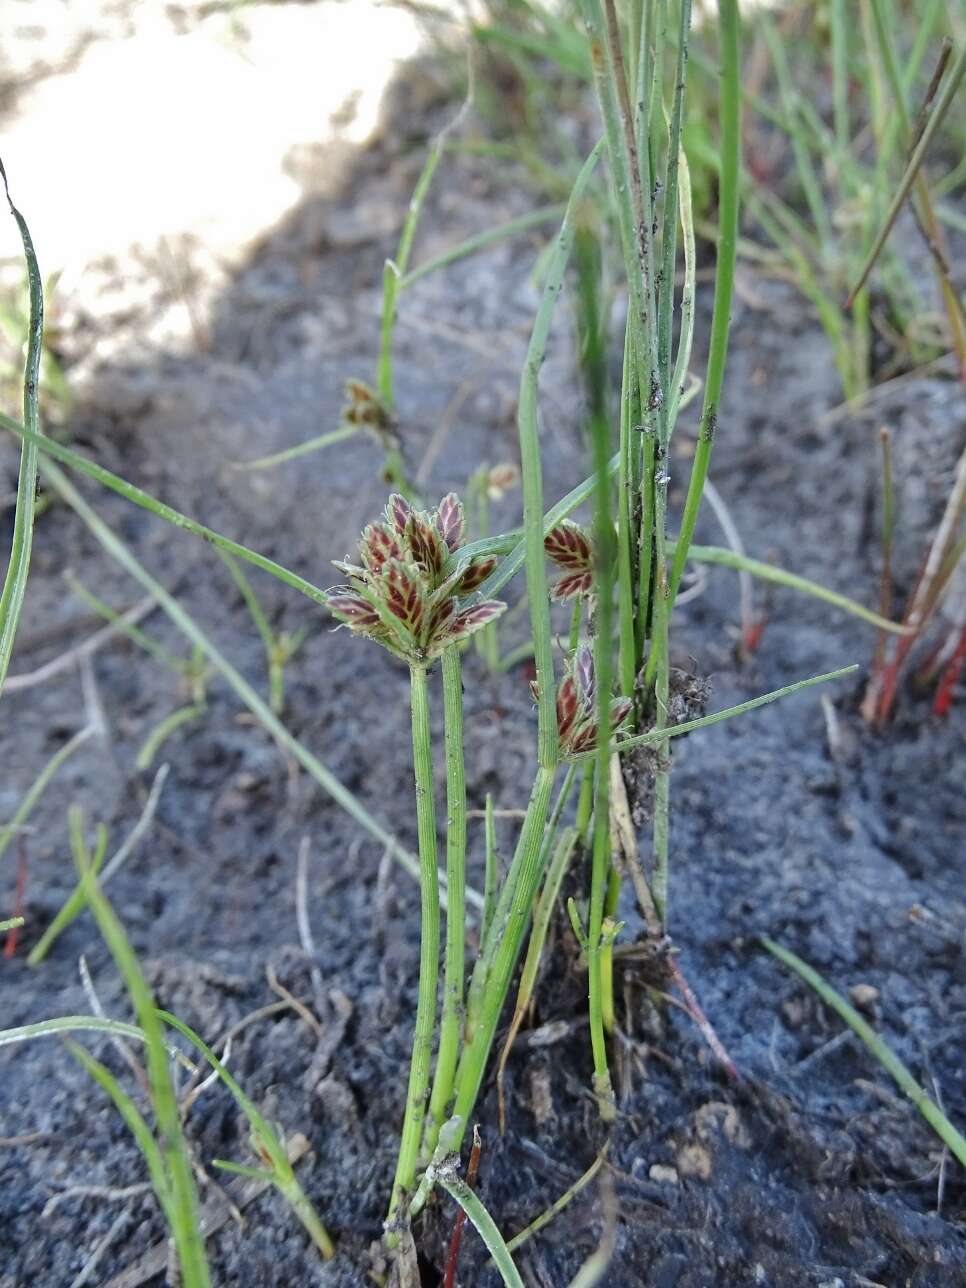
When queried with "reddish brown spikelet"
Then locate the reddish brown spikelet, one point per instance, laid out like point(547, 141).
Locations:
point(585, 676)
point(353, 610)
point(472, 619)
point(567, 706)
point(398, 511)
point(620, 709)
point(441, 616)
point(475, 575)
point(584, 740)
point(569, 547)
point(379, 545)
point(449, 521)
point(569, 587)
point(404, 597)
point(425, 544)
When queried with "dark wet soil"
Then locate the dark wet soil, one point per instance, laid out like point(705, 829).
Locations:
point(813, 1172)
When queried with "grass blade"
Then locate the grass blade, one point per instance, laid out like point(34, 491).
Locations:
point(265, 1139)
point(533, 219)
point(133, 1120)
point(69, 1024)
point(301, 449)
point(36, 789)
point(182, 1209)
point(533, 517)
point(943, 103)
point(414, 1118)
point(703, 722)
point(15, 581)
point(166, 512)
point(728, 199)
point(934, 1116)
point(445, 1175)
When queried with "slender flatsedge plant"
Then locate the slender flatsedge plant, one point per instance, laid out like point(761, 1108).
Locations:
point(420, 591)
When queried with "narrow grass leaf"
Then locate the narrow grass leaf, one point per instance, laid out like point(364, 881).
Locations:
point(15, 581)
point(934, 1116)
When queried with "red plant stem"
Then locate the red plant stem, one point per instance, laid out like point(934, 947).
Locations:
point(701, 1020)
point(10, 947)
point(449, 1279)
point(944, 692)
point(753, 633)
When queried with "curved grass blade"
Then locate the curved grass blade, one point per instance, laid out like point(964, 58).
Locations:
point(36, 789)
point(182, 1208)
point(264, 1138)
point(689, 726)
point(943, 103)
point(533, 516)
point(728, 200)
point(768, 572)
point(167, 512)
point(534, 219)
point(133, 1120)
point(69, 1024)
point(300, 449)
point(15, 581)
point(76, 902)
point(446, 1176)
point(934, 1116)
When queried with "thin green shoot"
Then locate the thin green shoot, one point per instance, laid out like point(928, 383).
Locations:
point(134, 1121)
point(703, 722)
point(394, 272)
point(61, 1024)
point(181, 1207)
point(38, 786)
point(265, 1142)
point(533, 219)
point(12, 923)
point(923, 205)
point(444, 1174)
point(491, 868)
point(944, 102)
point(280, 647)
point(18, 566)
point(76, 901)
point(728, 200)
point(301, 449)
point(533, 515)
point(531, 966)
point(792, 581)
point(148, 751)
point(181, 666)
point(605, 559)
point(451, 1022)
point(58, 452)
point(411, 1136)
point(954, 1141)
point(559, 1204)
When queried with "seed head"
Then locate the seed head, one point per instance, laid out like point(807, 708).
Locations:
point(577, 705)
point(569, 546)
point(399, 593)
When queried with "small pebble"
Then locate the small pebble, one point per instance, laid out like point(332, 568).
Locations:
point(864, 996)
